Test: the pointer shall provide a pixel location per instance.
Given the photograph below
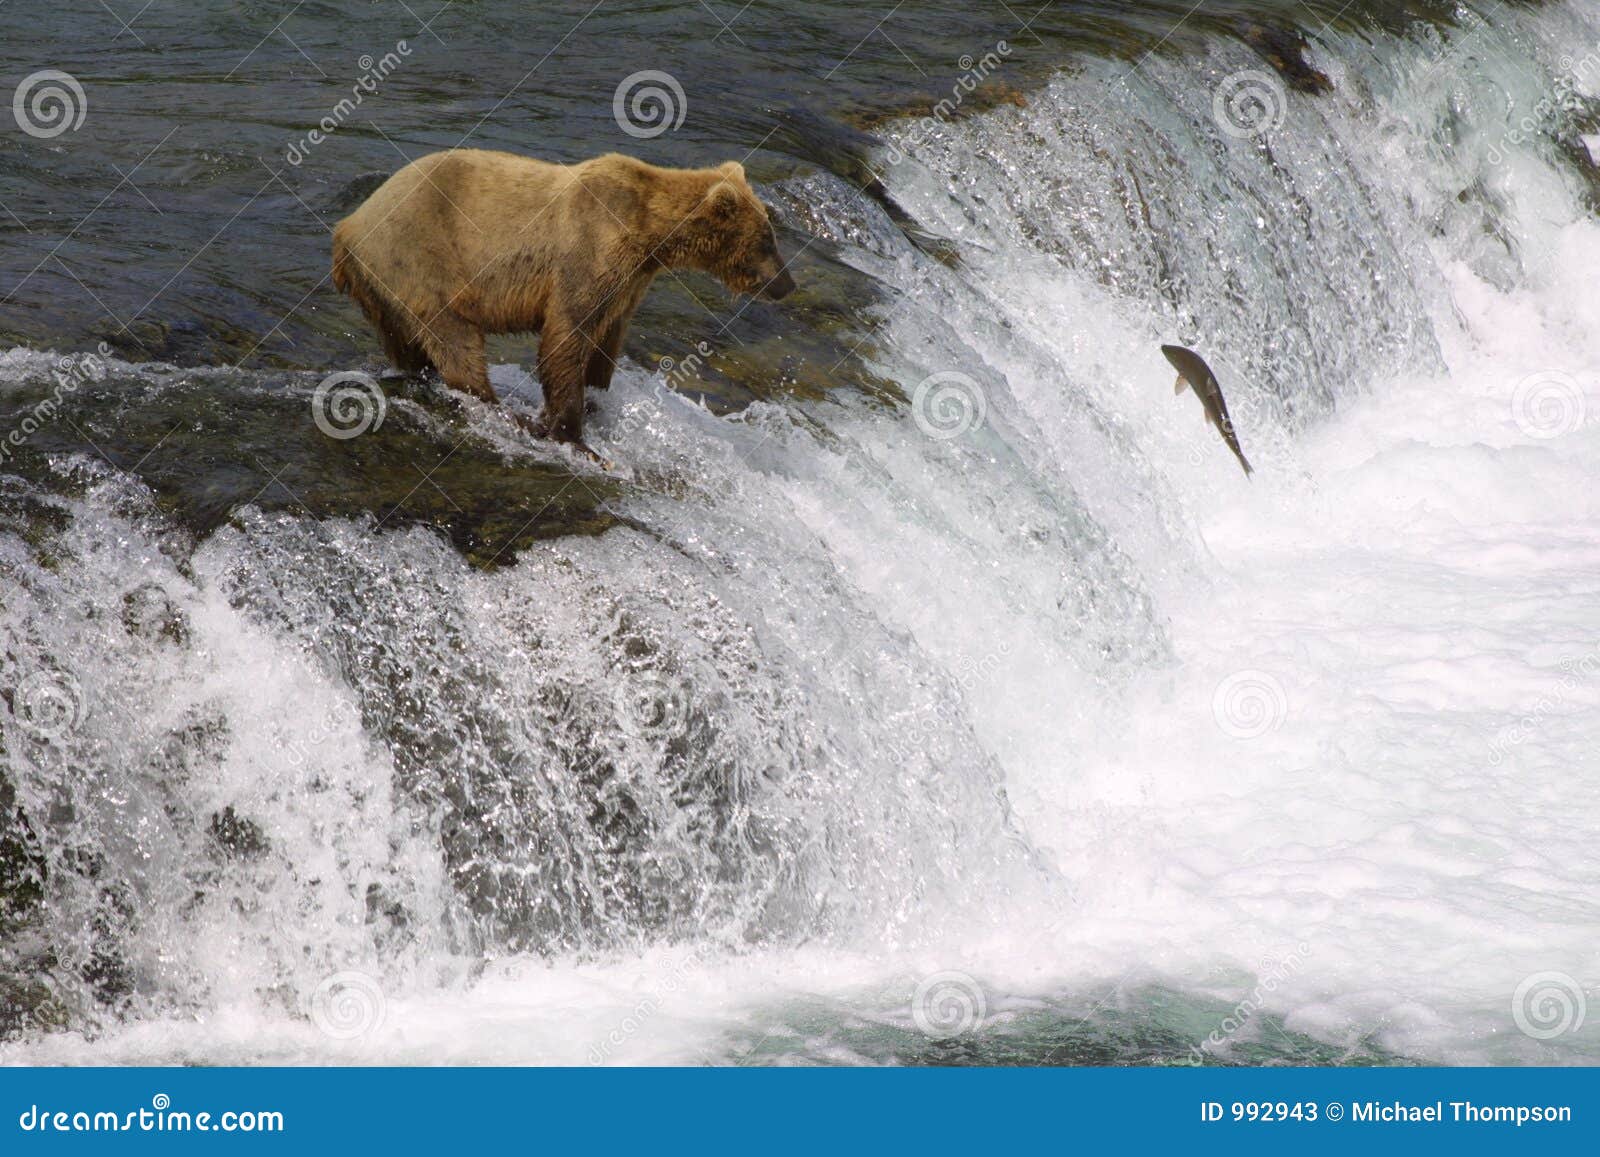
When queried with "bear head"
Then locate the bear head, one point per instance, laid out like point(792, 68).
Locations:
point(732, 229)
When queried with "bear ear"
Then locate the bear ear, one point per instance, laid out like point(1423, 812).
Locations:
point(733, 169)
point(722, 200)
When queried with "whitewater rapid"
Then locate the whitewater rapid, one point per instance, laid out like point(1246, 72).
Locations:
point(1417, 588)
point(1063, 712)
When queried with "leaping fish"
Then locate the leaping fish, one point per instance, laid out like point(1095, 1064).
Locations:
point(1193, 371)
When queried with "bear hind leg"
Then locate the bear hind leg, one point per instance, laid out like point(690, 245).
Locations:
point(603, 356)
point(455, 346)
point(404, 352)
point(396, 327)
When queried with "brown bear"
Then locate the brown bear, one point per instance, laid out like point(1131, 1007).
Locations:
point(468, 242)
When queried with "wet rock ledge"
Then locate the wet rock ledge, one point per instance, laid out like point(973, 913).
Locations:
point(210, 442)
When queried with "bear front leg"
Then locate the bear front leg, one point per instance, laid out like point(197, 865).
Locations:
point(563, 365)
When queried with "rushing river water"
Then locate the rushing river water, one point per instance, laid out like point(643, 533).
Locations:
point(926, 684)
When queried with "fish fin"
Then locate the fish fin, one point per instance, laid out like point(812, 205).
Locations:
point(1179, 385)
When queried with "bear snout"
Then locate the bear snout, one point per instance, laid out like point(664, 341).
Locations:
point(779, 287)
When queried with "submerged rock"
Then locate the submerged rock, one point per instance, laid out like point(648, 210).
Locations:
point(237, 836)
point(22, 865)
point(149, 613)
point(1285, 50)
